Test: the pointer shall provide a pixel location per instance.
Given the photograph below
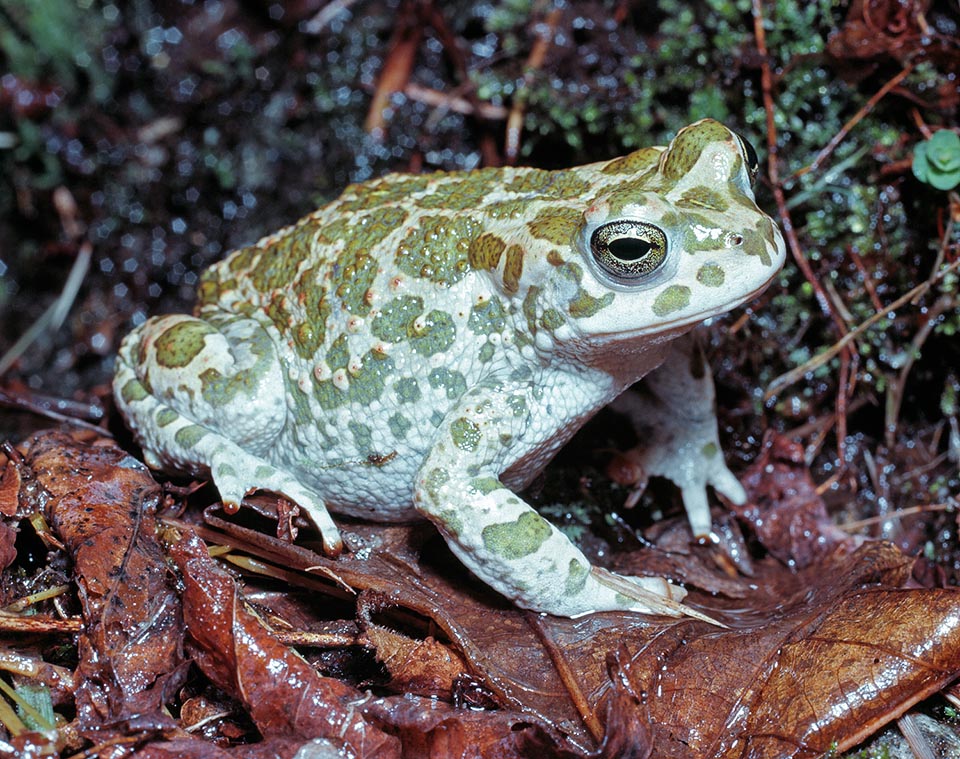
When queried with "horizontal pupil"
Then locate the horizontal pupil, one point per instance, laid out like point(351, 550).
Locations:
point(629, 248)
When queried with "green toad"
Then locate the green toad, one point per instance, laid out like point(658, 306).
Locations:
point(422, 346)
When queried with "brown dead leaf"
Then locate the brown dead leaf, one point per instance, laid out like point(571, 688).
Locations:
point(424, 667)
point(283, 694)
point(812, 659)
point(9, 488)
point(286, 697)
point(783, 507)
point(102, 506)
point(197, 748)
point(813, 632)
point(828, 663)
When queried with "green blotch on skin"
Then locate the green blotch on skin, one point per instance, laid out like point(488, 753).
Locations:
point(364, 387)
point(485, 485)
point(582, 305)
point(710, 275)
point(577, 575)
point(362, 436)
point(449, 521)
point(710, 450)
point(166, 416)
point(397, 322)
point(465, 434)
point(435, 479)
point(437, 334)
point(437, 249)
point(634, 163)
point(407, 390)
point(755, 243)
point(460, 192)
point(673, 298)
point(392, 188)
point(268, 279)
point(399, 425)
point(225, 470)
point(262, 472)
point(514, 540)
point(452, 381)
point(338, 356)
point(222, 388)
point(585, 305)
point(132, 391)
point(685, 150)
point(556, 225)
point(188, 437)
point(241, 261)
point(528, 181)
point(507, 209)
point(703, 197)
point(517, 404)
point(487, 318)
point(529, 308)
point(567, 185)
point(394, 321)
point(275, 266)
point(628, 192)
point(180, 344)
point(551, 319)
point(308, 334)
point(486, 353)
point(562, 185)
point(353, 277)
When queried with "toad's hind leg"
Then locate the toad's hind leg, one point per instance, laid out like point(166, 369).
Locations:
point(209, 396)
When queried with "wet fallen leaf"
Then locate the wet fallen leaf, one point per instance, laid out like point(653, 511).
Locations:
point(424, 667)
point(787, 628)
point(283, 694)
point(812, 659)
point(825, 665)
point(783, 507)
point(101, 503)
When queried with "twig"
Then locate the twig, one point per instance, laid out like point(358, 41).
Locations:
point(455, 103)
point(898, 514)
point(788, 378)
point(538, 52)
point(396, 71)
point(896, 389)
point(567, 677)
point(857, 117)
point(326, 14)
point(766, 81)
point(919, 745)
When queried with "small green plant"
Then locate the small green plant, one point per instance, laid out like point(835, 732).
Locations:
point(937, 161)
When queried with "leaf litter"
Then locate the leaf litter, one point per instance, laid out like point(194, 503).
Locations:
point(404, 654)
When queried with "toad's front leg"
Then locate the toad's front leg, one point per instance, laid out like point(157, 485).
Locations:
point(673, 412)
point(499, 537)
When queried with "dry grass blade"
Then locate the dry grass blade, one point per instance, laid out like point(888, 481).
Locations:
point(53, 317)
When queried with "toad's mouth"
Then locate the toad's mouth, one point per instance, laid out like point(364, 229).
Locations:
point(669, 328)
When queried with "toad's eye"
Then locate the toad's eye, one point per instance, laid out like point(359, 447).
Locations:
point(750, 155)
point(629, 250)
